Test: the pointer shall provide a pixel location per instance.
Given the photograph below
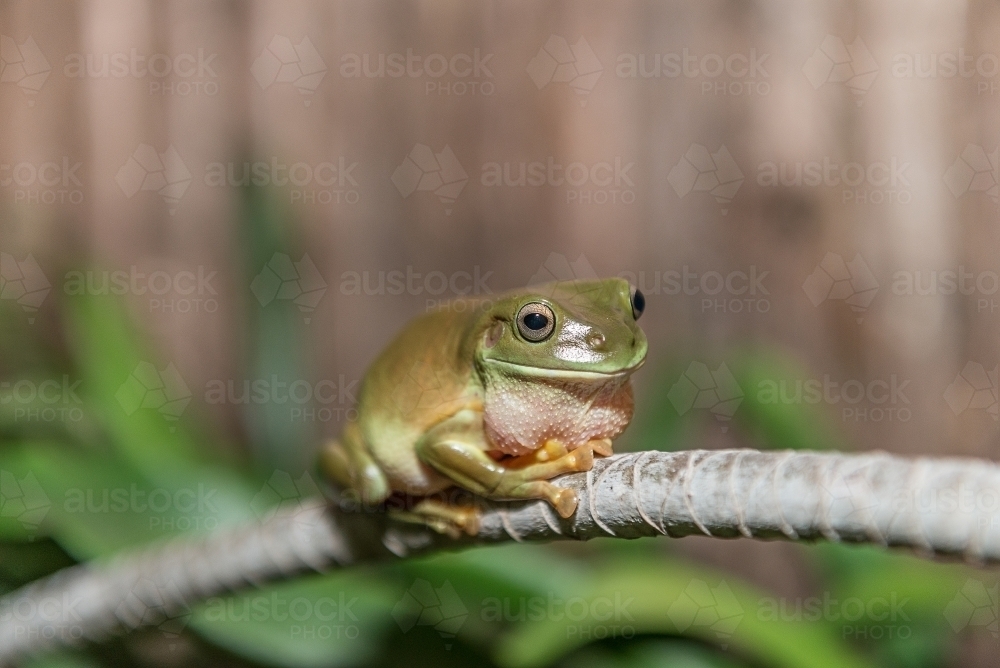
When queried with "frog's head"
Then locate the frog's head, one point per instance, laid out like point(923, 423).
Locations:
point(572, 330)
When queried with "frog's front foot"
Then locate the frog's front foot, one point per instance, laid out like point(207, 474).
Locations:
point(532, 481)
point(554, 449)
point(510, 479)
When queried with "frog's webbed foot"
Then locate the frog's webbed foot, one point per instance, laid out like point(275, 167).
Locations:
point(519, 478)
point(554, 449)
point(445, 518)
point(531, 472)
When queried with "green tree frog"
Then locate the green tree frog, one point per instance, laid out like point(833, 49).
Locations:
point(495, 397)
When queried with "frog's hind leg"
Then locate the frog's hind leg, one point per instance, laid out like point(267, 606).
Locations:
point(443, 517)
point(349, 463)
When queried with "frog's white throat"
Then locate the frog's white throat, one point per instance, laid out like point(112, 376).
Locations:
point(522, 412)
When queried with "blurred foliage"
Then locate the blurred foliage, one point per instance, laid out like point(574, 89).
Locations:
point(112, 478)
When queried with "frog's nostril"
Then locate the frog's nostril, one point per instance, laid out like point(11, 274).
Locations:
point(595, 340)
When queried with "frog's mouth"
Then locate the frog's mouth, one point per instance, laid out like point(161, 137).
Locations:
point(564, 374)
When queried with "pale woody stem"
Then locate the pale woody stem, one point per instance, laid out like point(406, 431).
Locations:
point(948, 506)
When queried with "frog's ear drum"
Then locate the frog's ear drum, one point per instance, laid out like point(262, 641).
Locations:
point(493, 334)
point(536, 322)
point(638, 302)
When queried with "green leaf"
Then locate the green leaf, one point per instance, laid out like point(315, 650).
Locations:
point(62, 661)
point(94, 506)
point(649, 653)
point(502, 570)
point(330, 620)
point(924, 600)
point(664, 596)
point(118, 383)
point(860, 571)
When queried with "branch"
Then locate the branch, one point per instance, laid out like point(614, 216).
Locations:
point(944, 506)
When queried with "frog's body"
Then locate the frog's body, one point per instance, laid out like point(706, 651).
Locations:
point(496, 397)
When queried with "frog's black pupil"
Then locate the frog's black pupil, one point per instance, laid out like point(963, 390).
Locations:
point(638, 302)
point(535, 321)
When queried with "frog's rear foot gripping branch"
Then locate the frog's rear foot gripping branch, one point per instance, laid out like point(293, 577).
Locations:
point(450, 519)
point(868, 498)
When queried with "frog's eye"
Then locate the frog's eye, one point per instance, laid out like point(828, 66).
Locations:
point(638, 303)
point(535, 321)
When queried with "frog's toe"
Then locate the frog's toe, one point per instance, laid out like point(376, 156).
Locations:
point(602, 446)
point(553, 449)
point(465, 519)
point(581, 459)
point(564, 501)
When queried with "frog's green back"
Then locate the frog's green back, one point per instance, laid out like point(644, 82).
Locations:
point(422, 377)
